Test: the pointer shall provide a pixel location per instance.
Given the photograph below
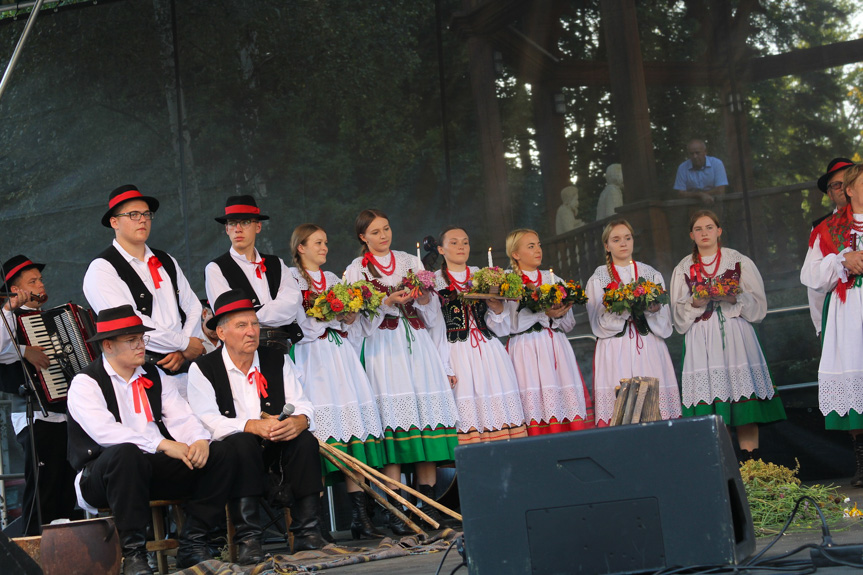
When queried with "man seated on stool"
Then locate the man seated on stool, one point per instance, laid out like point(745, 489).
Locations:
point(244, 388)
point(134, 439)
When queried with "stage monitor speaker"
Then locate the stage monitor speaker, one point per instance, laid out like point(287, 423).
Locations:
point(627, 499)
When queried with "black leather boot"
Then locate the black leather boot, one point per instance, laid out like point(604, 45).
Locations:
point(245, 514)
point(432, 512)
point(305, 524)
point(396, 525)
point(361, 524)
point(134, 544)
point(857, 480)
point(193, 543)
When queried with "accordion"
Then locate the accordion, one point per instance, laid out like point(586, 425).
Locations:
point(61, 332)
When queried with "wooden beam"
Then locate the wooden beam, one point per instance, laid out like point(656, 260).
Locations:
point(803, 60)
point(629, 98)
point(486, 18)
point(498, 206)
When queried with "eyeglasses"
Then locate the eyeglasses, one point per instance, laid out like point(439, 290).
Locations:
point(833, 186)
point(136, 343)
point(136, 216)
point(241, 223)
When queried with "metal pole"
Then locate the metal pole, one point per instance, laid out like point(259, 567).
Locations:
point(17, 53)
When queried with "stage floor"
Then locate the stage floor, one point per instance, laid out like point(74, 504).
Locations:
point(428, 564)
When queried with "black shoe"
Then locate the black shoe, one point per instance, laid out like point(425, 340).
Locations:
point(394, 522)
point(746, 455)
point(134, 546)
point(361, 525)
point(442, 520)
point(250, 552)
point(193, 543)
point(245, 515)
point(136, 564)
point(305, 524)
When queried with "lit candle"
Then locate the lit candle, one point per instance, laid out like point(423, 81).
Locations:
point(418, 256)
point(490, 262)
point(551, 273)
point(632, 270)
point(344, 278)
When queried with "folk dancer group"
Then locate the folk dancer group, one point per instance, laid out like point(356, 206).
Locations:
point(156, 417)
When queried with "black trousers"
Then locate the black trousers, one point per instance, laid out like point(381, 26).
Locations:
point(125, 479)
point(300, 461)
point(56, 476)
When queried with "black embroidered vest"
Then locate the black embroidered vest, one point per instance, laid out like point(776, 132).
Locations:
point(237, 280)
point(272, 364)
point(456, 314)
point(82, 448)
point(142, 296)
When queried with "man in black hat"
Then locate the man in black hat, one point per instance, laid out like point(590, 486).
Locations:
point(830, 185)
point(134, 439)
point(245, 388)
point(131, 273)
point(263, 277)
point(55, 478)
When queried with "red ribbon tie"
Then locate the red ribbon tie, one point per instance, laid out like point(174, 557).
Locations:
point(257, 379)
point(154, 264)
point(260, 268)
point(140, 396)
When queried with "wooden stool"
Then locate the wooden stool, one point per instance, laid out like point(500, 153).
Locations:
point(160, 544)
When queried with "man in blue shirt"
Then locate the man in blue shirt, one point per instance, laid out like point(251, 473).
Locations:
point(701, 176)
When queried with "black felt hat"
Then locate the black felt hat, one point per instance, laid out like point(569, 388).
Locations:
point(241, 208)
point(14, 266)
point(115, 321)
point(125, 194)
point(229, 302)
point(835, 165)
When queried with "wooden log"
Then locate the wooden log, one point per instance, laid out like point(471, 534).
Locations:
point(370, 471)
point(631, 397)
point(619, 403)
point(643, 386)
point(651, 405)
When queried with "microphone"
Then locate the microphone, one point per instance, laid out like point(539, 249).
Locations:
point(287, 411)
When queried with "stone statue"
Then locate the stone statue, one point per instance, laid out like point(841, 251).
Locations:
point(612, 196)
point(567, 214)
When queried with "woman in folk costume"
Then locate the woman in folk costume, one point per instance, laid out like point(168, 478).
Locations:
point(553, 394)
point(628, 346)
point(834, 265)
point(486, 390)
point(716, 293)
point(346, 413)
point(413, 391)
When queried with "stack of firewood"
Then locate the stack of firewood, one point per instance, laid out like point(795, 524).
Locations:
point(637, 401)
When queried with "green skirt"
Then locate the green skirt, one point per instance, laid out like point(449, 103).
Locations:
point(851, 421)
point(370, 452)
point(415, 446)
point(743, 412)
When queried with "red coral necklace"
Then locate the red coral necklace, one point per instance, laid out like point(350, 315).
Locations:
point(527, 280)
point(319, 287)
point(456, 285)
point(386, 270)
point(714, 263)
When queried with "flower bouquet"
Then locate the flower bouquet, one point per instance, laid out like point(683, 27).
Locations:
point(634, 297)
point(333, 302)
point(418, 283)
point(546, 296)
point(366, 298)
point(342, 298)
point(494, 282)
point(716, 287)
point(574, 293)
